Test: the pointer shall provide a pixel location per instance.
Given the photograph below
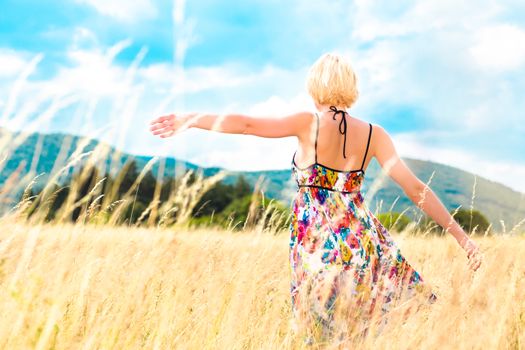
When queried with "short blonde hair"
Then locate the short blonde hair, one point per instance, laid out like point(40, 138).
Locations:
point(332, 81)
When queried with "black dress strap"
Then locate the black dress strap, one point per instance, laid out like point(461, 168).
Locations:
point(367, 144)
point(316, 135)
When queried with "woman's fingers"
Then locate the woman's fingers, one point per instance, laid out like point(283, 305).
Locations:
point(162, 119)
point(475, 260)
point(166, 133)
point(168, 125)
point(157, 127)
point(161, 132)
point(163, 126)
point(471, 248)
point(472, 265)
point(476, 264)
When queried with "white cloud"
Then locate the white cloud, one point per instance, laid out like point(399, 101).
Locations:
point(242, 152)
point(499, 47)
point(277, 106)
point(11, 63)
point(128, 11)
point(90, 74)
point(91, 78)
point(377, 20)
point(83, 38)
point(194, 79)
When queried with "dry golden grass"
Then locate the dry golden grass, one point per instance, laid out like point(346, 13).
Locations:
point(100, 287)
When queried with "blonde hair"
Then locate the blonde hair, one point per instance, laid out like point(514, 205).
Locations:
point(331, 80)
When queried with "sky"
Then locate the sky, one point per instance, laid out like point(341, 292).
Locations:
point(445, 78)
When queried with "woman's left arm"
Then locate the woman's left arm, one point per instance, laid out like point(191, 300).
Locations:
point(232, 123)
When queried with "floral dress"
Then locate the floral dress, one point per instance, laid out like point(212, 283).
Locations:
point(337, 245)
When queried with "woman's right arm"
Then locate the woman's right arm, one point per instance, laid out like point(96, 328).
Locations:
point(270, 126)
point(422, 195)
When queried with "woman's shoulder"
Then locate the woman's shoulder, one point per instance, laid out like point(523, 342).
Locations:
point(302, 121)
point(376, 132)
point(379, 136)
point(365, 123)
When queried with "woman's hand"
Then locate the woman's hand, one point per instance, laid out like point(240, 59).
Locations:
point(168, 125)
point(473, 254)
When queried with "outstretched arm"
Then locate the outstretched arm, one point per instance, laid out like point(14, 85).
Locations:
point(264, 126)
point(422, 195)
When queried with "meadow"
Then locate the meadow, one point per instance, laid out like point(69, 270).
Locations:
point(85, 286)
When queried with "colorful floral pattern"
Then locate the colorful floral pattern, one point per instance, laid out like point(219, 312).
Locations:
point(332, 230)
point(319, 175)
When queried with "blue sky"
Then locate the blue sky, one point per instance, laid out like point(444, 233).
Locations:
point(445, 78)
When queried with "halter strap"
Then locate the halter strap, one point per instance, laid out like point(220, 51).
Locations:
point(342, 125)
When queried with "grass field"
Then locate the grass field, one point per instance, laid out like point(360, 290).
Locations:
point(67, 286)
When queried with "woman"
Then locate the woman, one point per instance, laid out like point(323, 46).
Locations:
point(336, 243)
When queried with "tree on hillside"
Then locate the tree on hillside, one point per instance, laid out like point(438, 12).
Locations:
point(242, 187)
point(249, 211)
point(474, 222)
point(215, 200)
point(129, 176)
point(86, 182)
point(220, 196)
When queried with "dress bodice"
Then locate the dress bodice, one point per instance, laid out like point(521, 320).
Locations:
point(321, 176)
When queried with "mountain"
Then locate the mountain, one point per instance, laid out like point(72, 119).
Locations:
point(453, 186)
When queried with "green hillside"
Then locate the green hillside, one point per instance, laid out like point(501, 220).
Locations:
point(453, 186)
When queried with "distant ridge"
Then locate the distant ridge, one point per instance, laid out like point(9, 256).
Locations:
point(452, 185)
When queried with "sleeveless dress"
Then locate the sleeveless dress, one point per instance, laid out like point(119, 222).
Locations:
point(337, 246)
